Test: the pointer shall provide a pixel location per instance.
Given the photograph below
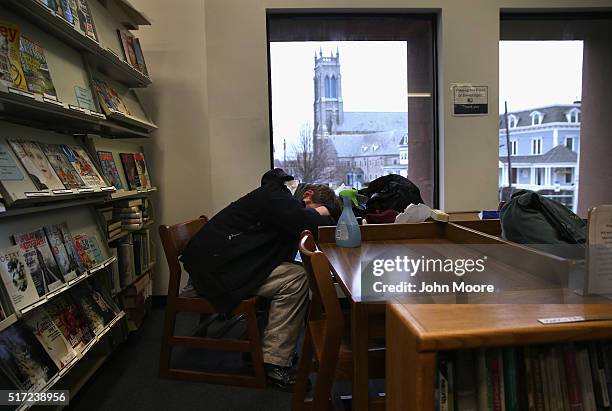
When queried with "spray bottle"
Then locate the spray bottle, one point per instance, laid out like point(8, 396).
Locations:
point(347, 229)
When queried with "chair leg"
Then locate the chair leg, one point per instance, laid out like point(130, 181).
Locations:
point(166, 348)
point(256, 349)
point(299, 391)
point(326, 376)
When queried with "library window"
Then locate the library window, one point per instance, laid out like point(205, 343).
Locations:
point(366, 67)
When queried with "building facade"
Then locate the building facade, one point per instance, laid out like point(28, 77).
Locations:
point(544, 150)
point(366, 145)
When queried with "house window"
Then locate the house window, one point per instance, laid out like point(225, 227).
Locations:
point(536, 146)
point(514, 175)
point(569, 176)
point(536, 118)
point(540, 175)
point(574, 116)
point(512, 121)
point(569, 143)
point(513, 147)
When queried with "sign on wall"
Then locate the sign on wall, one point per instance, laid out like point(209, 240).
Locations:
point(469, 100)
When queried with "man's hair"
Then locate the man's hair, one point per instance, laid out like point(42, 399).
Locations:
point(322, 194)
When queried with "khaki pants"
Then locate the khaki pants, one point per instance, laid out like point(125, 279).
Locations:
point(287, 290)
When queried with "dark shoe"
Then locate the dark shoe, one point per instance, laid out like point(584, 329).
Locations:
point(281, 377)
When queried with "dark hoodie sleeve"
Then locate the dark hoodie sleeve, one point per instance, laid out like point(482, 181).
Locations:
point(278, 208)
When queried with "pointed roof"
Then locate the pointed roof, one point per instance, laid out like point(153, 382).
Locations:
point(552, 114)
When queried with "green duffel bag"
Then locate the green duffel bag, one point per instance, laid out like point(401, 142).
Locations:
point(529, 218)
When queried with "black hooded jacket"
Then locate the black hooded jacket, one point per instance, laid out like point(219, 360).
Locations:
point(230, 258)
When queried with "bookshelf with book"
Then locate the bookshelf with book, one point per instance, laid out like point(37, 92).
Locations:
point(59, 307)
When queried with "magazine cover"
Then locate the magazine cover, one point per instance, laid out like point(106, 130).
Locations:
point(16, 278)
point(50, 337)
point(131, 173)
point(64, 250)
point(86, 23)
point(25, 359)
point(35, 68)
point(109, 98)
point(102, 296)
point(67, 11)
point(83, 165)
point(95, 317)
point(70, 321)
point(109, 169)
point(141, 169)
point(127, 44)
point(89, 250)
point(36, 164)
point(64, 170)
point(11, 73)
point(142, 66)
point(40, 261)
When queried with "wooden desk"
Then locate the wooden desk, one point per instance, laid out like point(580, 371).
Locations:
point(367, 319)
point(415, 333)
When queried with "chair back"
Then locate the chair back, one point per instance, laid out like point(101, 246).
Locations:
point(174, 240)
point(325, 304)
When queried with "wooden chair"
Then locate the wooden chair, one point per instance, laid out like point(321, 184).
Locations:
point(326, 336)
point(174, 240)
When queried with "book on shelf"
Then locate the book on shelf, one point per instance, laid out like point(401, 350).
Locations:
point(81, 162)
point(96, 320)
point(62, 167)
point(11, 72)
point(114, 272)
point(131, 172)
point(70, 320)
point(39, 259)
point(125, 250)
point(127, 45)
point(35, 68)
point(142, 65)
point(109, 169)
point(50, 337)
point(110, 101)
point(129, 206)
point(64, 250)
point(141, 169)
point(18, 282)
point(36, 165)
point(23, 358)
point(85, 20)
point(89, 250)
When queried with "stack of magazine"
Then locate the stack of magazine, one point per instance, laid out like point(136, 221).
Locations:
point(132, 51)
point(76, 13)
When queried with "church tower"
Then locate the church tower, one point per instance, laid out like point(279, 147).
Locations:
point(328, 110)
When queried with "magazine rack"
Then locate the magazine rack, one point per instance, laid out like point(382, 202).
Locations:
point(73, 115)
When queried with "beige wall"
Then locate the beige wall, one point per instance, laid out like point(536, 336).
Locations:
point(179, 153)
point(208, 59)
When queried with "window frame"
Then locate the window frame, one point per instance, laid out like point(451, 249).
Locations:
point(536, 142)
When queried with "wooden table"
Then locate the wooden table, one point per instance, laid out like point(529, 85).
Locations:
point(415, 333)
point(368, 319)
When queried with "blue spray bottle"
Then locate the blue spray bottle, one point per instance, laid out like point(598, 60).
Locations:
point(347, 229)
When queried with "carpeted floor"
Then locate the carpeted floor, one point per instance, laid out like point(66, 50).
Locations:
point(128, 380)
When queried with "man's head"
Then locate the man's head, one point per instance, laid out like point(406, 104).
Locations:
point(317, 195)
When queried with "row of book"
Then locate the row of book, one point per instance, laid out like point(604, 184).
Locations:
point(134, 166)
point(569, 377)
point(44, 260)
point(135, 256)
point(76, 13)
point(56, 166)
point(124, 215)
point(34, 349)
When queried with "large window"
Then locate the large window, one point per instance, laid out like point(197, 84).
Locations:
point(353, 98)
point(541, 83)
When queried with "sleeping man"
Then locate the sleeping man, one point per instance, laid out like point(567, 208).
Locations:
point(248, 249)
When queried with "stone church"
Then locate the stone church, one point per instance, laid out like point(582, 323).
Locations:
point(367, 145)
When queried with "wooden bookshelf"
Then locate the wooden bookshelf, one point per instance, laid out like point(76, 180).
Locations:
point(417, 333)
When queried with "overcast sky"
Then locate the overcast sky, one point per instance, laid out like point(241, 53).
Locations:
point(532, 74)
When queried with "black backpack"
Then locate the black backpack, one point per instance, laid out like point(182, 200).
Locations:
point(529, 218)
point(391, 192)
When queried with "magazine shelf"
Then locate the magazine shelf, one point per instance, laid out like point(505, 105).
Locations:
point(41, 207)
point(31, 110)
point(77, 360)
point(103, 60)
point(49, 296)
point(126, 195)
point(144, 273)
